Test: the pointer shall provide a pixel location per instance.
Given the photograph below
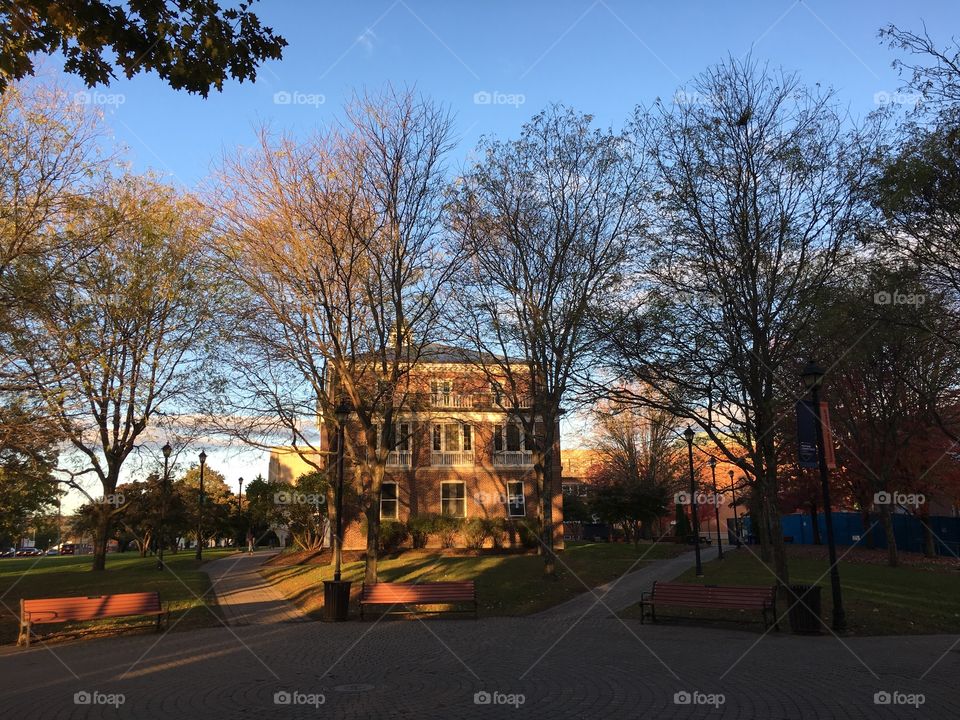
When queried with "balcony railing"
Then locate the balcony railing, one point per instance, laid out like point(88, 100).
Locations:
point(451, 400)
point(399, 458)
point(503, 401)
point(395, 458)
point(513, 457)
point(448, 459)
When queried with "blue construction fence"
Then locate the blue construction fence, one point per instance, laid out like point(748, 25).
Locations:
point(848, 529)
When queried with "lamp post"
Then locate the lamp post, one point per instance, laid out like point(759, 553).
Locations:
point(688, 434)
point(166, 449)
point(736, 517)
point(203, 460)
point(336, 592)
point(716, 506)
point(240, 509)
point(812, 376)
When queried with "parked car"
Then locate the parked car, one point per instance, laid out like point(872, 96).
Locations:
point(53, 551)
point(9, 552)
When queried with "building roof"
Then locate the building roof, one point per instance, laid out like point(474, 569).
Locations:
point(440, 353)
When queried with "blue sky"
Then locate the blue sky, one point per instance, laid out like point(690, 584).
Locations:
point(601, 57)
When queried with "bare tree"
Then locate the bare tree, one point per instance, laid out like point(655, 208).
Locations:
point(120, 338)
point(546, 223)
point(334, 240)
point(758, 188)
point(50, 161)
point(641, 466)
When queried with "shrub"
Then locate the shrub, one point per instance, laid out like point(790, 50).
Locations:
point(392, 535)
point(497, 532)
point(527, 534)
point(475, 532)
point(447, 528)
point(420, 528)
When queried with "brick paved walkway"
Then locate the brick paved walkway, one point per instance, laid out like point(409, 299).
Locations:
point(545, 666)
point(597, 668)
point(623, 592)
point(244, 596)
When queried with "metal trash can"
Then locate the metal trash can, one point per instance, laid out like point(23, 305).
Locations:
point(336, 600)
point(805, 609)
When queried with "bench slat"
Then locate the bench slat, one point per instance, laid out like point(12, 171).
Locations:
point(438, 593)
point(56, 610)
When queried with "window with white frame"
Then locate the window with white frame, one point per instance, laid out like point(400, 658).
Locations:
point(453, 499)
point(452, 437)
point(389, 501)
point(509, 438)
point(516, 502)
point(398, 438)
point(398, 443)
point(441, 387)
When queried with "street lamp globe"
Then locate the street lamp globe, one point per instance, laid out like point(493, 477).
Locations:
point(203, 457)
point(812, 375)
point(712, 462)
point(166, 449)
point(343, 410)
point(689, 434)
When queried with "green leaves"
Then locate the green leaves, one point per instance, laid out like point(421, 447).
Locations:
point(192, 44)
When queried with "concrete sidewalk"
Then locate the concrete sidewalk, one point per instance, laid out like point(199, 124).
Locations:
point(245, 596)
point(623, 592)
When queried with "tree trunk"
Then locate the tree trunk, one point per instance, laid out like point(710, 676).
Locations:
point(373, 521)
point(817, 540)
point(893, 558)
point(867, 530)
point(760, 525)
point(775, 528)
point(101, 534)
point(544, 468)
point(929, 549)
point(373, 539)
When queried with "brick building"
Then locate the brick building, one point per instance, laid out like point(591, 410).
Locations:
point(455, 449)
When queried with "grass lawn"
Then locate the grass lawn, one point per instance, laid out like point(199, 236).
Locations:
point(877, 599)
point(126, 572)
point(506, 584)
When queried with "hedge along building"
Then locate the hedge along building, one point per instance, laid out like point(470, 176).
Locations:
point(457, 448)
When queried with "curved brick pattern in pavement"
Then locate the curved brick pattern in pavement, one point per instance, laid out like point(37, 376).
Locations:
point(244, 596)
point(409, 669)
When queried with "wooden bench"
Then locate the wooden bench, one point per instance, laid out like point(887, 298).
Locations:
point(730, 597)
point(410, 594)
point(45, 611)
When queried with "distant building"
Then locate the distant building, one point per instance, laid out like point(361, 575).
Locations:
point(457, 448)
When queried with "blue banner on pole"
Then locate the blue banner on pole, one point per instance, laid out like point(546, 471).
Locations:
point(807, 434)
